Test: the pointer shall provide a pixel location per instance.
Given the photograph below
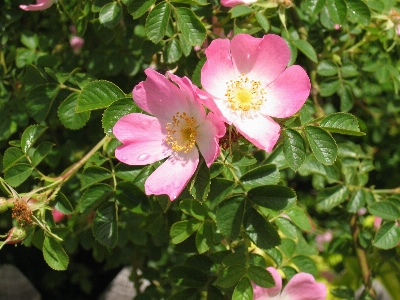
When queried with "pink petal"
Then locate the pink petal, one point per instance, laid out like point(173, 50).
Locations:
point(218, 69)
point(209, 102)
point(41, 5)
point(173, 175)
point(159, 96)
point(302, 286)
point(262, 59)
point(262, 131)
point(231, 3)
point(260, 293)
point(143, 140)
point(208, 135)
point(287, 94)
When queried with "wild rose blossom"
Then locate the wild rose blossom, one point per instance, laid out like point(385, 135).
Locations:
point(40, 5)
point(180, 124)
point(302, 286)
point(232, 3)
point(249, 83)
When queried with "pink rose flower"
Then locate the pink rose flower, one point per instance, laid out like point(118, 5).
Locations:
point(41, 5)
point(231, 3)
point(302, 286)
point(180, 123)
point(76, 43)
point(249, 83)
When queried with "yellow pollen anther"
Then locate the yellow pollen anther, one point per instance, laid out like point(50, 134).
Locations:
point(181, 132)
point(244, 94)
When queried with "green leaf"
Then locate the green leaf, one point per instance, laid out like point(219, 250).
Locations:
point(41, 152)
point(343, 292)
point(69, 117)
point(306, 48)
point(229, 217)
point(359, 11)
point(329, 87)
point(260, 231)
point(17, 174)
point(337, 10)
point(287, 246)
point(388, 236)
point(92, 175)
point(263, 21)
point(116, 111)
point(294, 148)
point(194, 209)
point(205, 237)
point(30, 40)
point(181, 230)
point(243, 290)
point(263, 175)
point(137, 8)
point(357, 201)
point(230, 276)
point(275, 197)
point(62, 204)
point(132, 197)
point(261, 277)
point(346, 98)
point(54, 254)
point(311, 165)
point(173, 51)
point(111, 14)
point(286, 227)
point(12, 156)
point(30, 136)
point(235, 258)
point(98, 94)
point(187, 276)
point(193, 30)
point(305, 264)
point(240, 10)
point(105, 226)
point(385, 210)
point(314, 6)
point(192, 2)
point(200, 185)
point(40, 99)
point(332, 197)
point(93, 196)
point(299, 217)
point(327, 68)
point(322, 144)
point(343, 123)
point(157, 21)
point(220, 189)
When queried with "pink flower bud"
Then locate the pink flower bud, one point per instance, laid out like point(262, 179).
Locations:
point(16, 235)
point(76, 43)
point(40, 5)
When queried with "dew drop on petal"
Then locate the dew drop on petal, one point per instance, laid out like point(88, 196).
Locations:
point(143, 157)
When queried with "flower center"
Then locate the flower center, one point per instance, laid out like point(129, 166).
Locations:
point(181, 132)
point(244, 94)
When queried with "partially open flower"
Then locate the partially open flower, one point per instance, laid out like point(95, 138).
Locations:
point(40, 5)
point(249, 83)
point(179, 130)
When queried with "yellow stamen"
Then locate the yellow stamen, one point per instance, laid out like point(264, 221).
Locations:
point(181, 132)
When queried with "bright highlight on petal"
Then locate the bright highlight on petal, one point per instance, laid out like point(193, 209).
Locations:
point(248, 83)
point(176, 131)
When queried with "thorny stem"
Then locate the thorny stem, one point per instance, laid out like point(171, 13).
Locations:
point(361, 256)
point(237, 180)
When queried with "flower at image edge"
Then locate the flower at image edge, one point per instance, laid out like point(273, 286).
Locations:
point(179, 129)
point(249, 83)
point(232, 3)
point(40, 5)
point(302, 286)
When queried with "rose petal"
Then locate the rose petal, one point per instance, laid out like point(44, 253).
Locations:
point(262, 59)
point(40, 5)
point(159, 96)
point(173, 175)
point(218, 69)
point(143, 140)
point(302, 286)
point(262, 131)
point(287, 94)
point(207, 138)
